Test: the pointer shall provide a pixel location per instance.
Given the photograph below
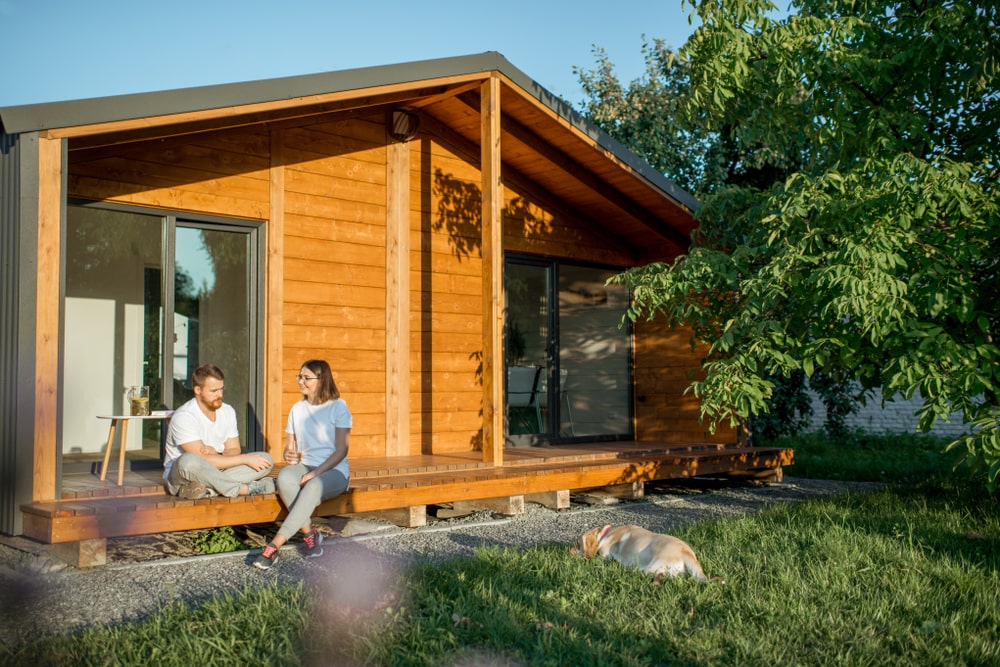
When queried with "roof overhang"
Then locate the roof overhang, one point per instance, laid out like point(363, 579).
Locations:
point(545, 144)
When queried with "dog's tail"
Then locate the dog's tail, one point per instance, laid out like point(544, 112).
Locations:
point(693, 568)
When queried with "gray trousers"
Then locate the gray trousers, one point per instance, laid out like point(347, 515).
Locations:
point(193, 468)
point(302, 500)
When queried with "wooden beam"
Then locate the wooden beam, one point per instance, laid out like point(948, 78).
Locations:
point(516, 179)
point(274, 301)
point(308, 105)
point(445, 95)
point(573, 169)
point(561, 117)
point(397, 296)
point(493, 292)
point(50, 207)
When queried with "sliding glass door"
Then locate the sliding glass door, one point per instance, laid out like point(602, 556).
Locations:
point(148, 298)
point(568, 359)
point(212, 315)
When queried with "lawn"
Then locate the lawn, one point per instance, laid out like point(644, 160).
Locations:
point(907, 575)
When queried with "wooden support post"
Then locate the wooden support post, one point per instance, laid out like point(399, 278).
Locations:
point(51, 204)
point(404, 517)
point(274, 426)
point(494, 438)
point(506, 505)
point(554, 500)
point(609, 495)
point(84, 553)
point(397, 297)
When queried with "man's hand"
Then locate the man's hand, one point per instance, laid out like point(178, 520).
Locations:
point(256, 461)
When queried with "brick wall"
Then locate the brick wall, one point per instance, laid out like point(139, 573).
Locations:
point(898, 416)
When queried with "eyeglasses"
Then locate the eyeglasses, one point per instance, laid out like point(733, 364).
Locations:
point(305, 378)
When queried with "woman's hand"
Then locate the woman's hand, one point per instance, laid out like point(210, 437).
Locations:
point(292, 454)
point(306, 477)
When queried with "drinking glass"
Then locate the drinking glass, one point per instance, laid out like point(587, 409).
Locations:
point(138, 401)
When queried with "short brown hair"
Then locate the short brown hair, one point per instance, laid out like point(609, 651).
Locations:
point(204, 372)
point(327, 390)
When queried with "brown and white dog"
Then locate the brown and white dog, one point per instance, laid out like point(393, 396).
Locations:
point(634, 546)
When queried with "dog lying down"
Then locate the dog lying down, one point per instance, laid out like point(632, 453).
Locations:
point(653, 553)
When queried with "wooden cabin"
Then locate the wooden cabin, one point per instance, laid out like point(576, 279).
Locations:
point(441, 232)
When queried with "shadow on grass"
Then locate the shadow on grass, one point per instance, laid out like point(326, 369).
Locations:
point(534, 606)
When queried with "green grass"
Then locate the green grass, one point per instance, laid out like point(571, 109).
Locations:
point(906, 575)
point(894, 458)
point(218, 540)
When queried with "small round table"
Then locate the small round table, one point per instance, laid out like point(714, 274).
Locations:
point(124, 419)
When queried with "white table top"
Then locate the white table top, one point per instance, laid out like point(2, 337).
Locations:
point(157, 414)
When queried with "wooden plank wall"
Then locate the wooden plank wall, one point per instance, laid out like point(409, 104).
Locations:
point(223, 173)
point(446, 317)
point(663, 412)
point(333, 265)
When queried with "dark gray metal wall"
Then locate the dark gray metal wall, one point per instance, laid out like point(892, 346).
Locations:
point(18, 279)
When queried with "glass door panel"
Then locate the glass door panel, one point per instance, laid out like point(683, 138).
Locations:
point(568, 368)
point(211, 316)
point(112, 327)
point(595, 380)
point(527, 347)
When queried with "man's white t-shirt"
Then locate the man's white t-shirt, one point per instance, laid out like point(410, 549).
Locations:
point(189, 423)
point(315, 428)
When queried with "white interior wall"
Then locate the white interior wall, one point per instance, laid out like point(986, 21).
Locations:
point(88, 372)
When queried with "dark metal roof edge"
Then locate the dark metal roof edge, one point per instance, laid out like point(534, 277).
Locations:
point(48, 115)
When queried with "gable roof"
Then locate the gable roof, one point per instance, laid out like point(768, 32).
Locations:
point(544, 141)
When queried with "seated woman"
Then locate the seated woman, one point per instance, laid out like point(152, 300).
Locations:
point(319, 430)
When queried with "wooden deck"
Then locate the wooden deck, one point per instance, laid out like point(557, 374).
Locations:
point(91, 509)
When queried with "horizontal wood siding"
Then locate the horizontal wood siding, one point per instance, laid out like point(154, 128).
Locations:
point(537, 228)
point(221, 173)
point(446, 283)
point(335, 283)
point(334, 264)
point(663, 361)
point(446, 336)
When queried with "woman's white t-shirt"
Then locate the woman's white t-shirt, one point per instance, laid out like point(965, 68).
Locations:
point(315, 428)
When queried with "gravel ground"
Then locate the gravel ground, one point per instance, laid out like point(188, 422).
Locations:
point(40, 596)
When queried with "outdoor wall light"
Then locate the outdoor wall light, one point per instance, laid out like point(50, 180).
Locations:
point(404, 125)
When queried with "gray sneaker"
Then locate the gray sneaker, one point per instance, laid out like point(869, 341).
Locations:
point(193, 491)
point(261, 487)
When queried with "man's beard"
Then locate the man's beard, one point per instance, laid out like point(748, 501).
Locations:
point(212, 405)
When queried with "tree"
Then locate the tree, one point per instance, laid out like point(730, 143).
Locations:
point(647, 118)
point(857, 229)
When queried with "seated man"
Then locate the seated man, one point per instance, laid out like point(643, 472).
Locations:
point(203, 456)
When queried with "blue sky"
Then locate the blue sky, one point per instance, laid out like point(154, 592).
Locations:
point(54, 50)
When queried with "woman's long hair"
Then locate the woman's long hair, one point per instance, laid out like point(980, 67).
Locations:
point(327, 390)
